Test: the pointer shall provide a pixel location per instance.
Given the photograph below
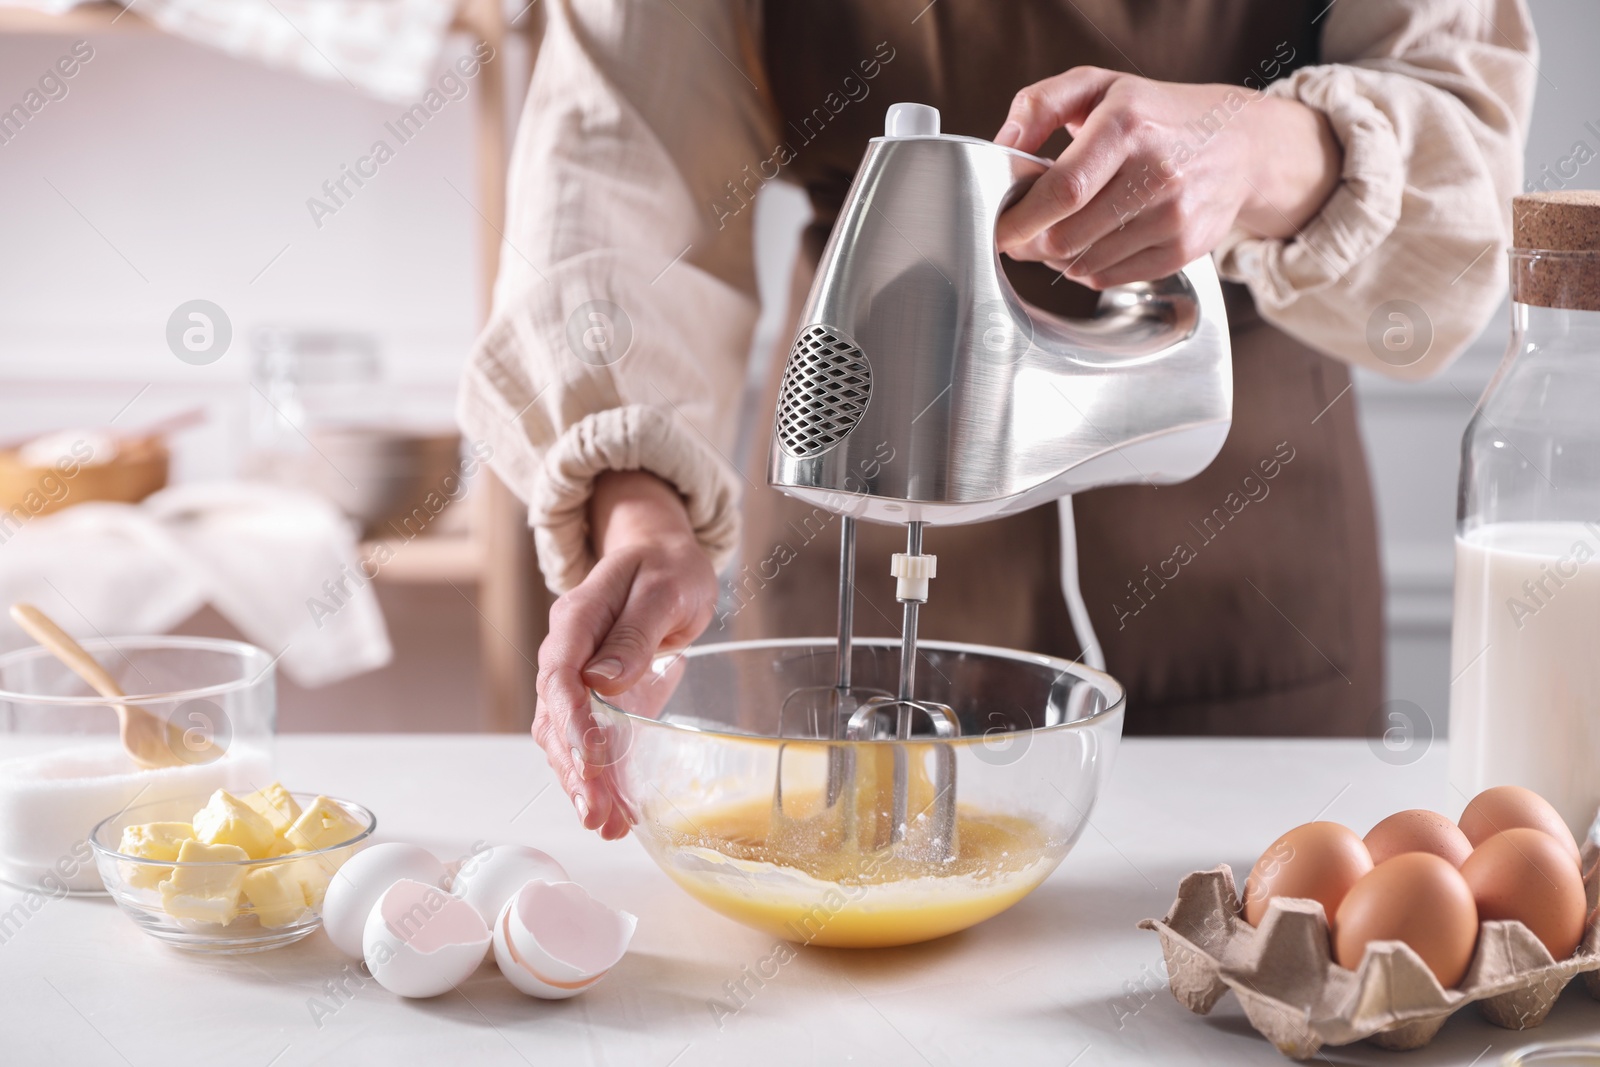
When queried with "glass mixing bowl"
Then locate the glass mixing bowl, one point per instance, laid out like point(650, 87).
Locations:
point(693, 751)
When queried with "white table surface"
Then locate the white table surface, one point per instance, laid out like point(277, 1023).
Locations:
point(1062, 978)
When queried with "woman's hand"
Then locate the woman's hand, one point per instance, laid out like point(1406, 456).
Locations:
point(652, 588)
point(1158, 172)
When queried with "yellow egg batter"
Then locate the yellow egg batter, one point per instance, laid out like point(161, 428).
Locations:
point(826, 876)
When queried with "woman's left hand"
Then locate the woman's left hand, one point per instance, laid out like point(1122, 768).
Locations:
point(1158, 172)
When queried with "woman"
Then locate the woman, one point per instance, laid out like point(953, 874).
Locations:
point(1347, 165)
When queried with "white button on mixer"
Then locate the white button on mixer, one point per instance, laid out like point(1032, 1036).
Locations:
point(911, 120)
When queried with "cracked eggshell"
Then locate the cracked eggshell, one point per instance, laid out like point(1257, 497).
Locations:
point(420, 941)
point(357, 885)
point(553, 940)
point(490, 878)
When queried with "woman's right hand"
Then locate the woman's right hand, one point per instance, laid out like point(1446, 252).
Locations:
point(652, 588)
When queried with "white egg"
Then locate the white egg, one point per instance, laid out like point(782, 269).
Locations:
point(553, 940)
point(490, 878)
point(420, 941)
point(358, 884)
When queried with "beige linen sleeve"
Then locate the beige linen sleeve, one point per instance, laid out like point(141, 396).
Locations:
point(1430, 100)
point(626, 298)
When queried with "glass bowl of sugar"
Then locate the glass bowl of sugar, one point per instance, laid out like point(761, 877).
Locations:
point(63, 768)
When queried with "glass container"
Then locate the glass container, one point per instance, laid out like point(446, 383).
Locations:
point(1556, 1054)
point(245, 924)
point(63, 769)
point(324, 419)
point(304, 379)
point(1525, 690)
point(692, 752)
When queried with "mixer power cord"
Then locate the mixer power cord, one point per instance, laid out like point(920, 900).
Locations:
point(1076, 610)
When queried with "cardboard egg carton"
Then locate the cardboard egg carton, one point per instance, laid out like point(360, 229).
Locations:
point(1297, 997)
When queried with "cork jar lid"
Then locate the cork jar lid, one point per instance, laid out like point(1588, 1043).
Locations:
point(1567, 224)
point(1566, 221)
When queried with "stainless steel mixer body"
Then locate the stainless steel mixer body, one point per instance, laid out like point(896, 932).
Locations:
point(913, 345)
point(921, 389)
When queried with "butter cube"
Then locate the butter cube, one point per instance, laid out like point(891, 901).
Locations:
point(276, 894)
point(227, 820)
point(316, 872)
point(314, 879)
point(209, 891)
point(322, 825)
point(275, 805)
point(152, 841)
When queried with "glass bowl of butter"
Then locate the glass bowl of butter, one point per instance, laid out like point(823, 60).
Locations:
point(741, 781)
point(225, 873)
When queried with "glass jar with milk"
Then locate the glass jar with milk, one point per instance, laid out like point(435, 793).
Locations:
point(1525, 644)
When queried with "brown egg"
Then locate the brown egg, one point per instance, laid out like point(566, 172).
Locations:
point(1506, 807)
point(1318, 861)
point(1418, 830)
point(1417, 898)
point(1523, 874)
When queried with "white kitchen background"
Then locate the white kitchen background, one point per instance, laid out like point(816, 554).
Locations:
point(170, 172)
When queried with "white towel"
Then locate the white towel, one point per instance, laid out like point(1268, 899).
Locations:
point(387, 48)
point(281, 566)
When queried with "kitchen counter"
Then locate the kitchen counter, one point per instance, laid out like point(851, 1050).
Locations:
point(1062, 978)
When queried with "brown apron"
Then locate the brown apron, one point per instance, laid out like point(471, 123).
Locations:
point(1244, 601)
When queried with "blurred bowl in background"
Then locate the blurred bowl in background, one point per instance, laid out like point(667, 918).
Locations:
point(394, 480)
point(68, 468)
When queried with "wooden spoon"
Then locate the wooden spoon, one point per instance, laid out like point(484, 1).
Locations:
point(150, 740)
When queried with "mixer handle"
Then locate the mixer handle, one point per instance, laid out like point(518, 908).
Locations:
point(1131, 322)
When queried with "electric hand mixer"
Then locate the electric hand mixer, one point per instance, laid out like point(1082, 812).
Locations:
point(921, 389)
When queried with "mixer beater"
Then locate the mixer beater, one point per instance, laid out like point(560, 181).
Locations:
point(855, 816)
point(912, 571)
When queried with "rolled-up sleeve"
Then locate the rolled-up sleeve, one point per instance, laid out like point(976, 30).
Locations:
point(625, 302)
point(1430, 101)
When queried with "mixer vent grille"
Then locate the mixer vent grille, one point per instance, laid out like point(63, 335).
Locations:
point(824, 392)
